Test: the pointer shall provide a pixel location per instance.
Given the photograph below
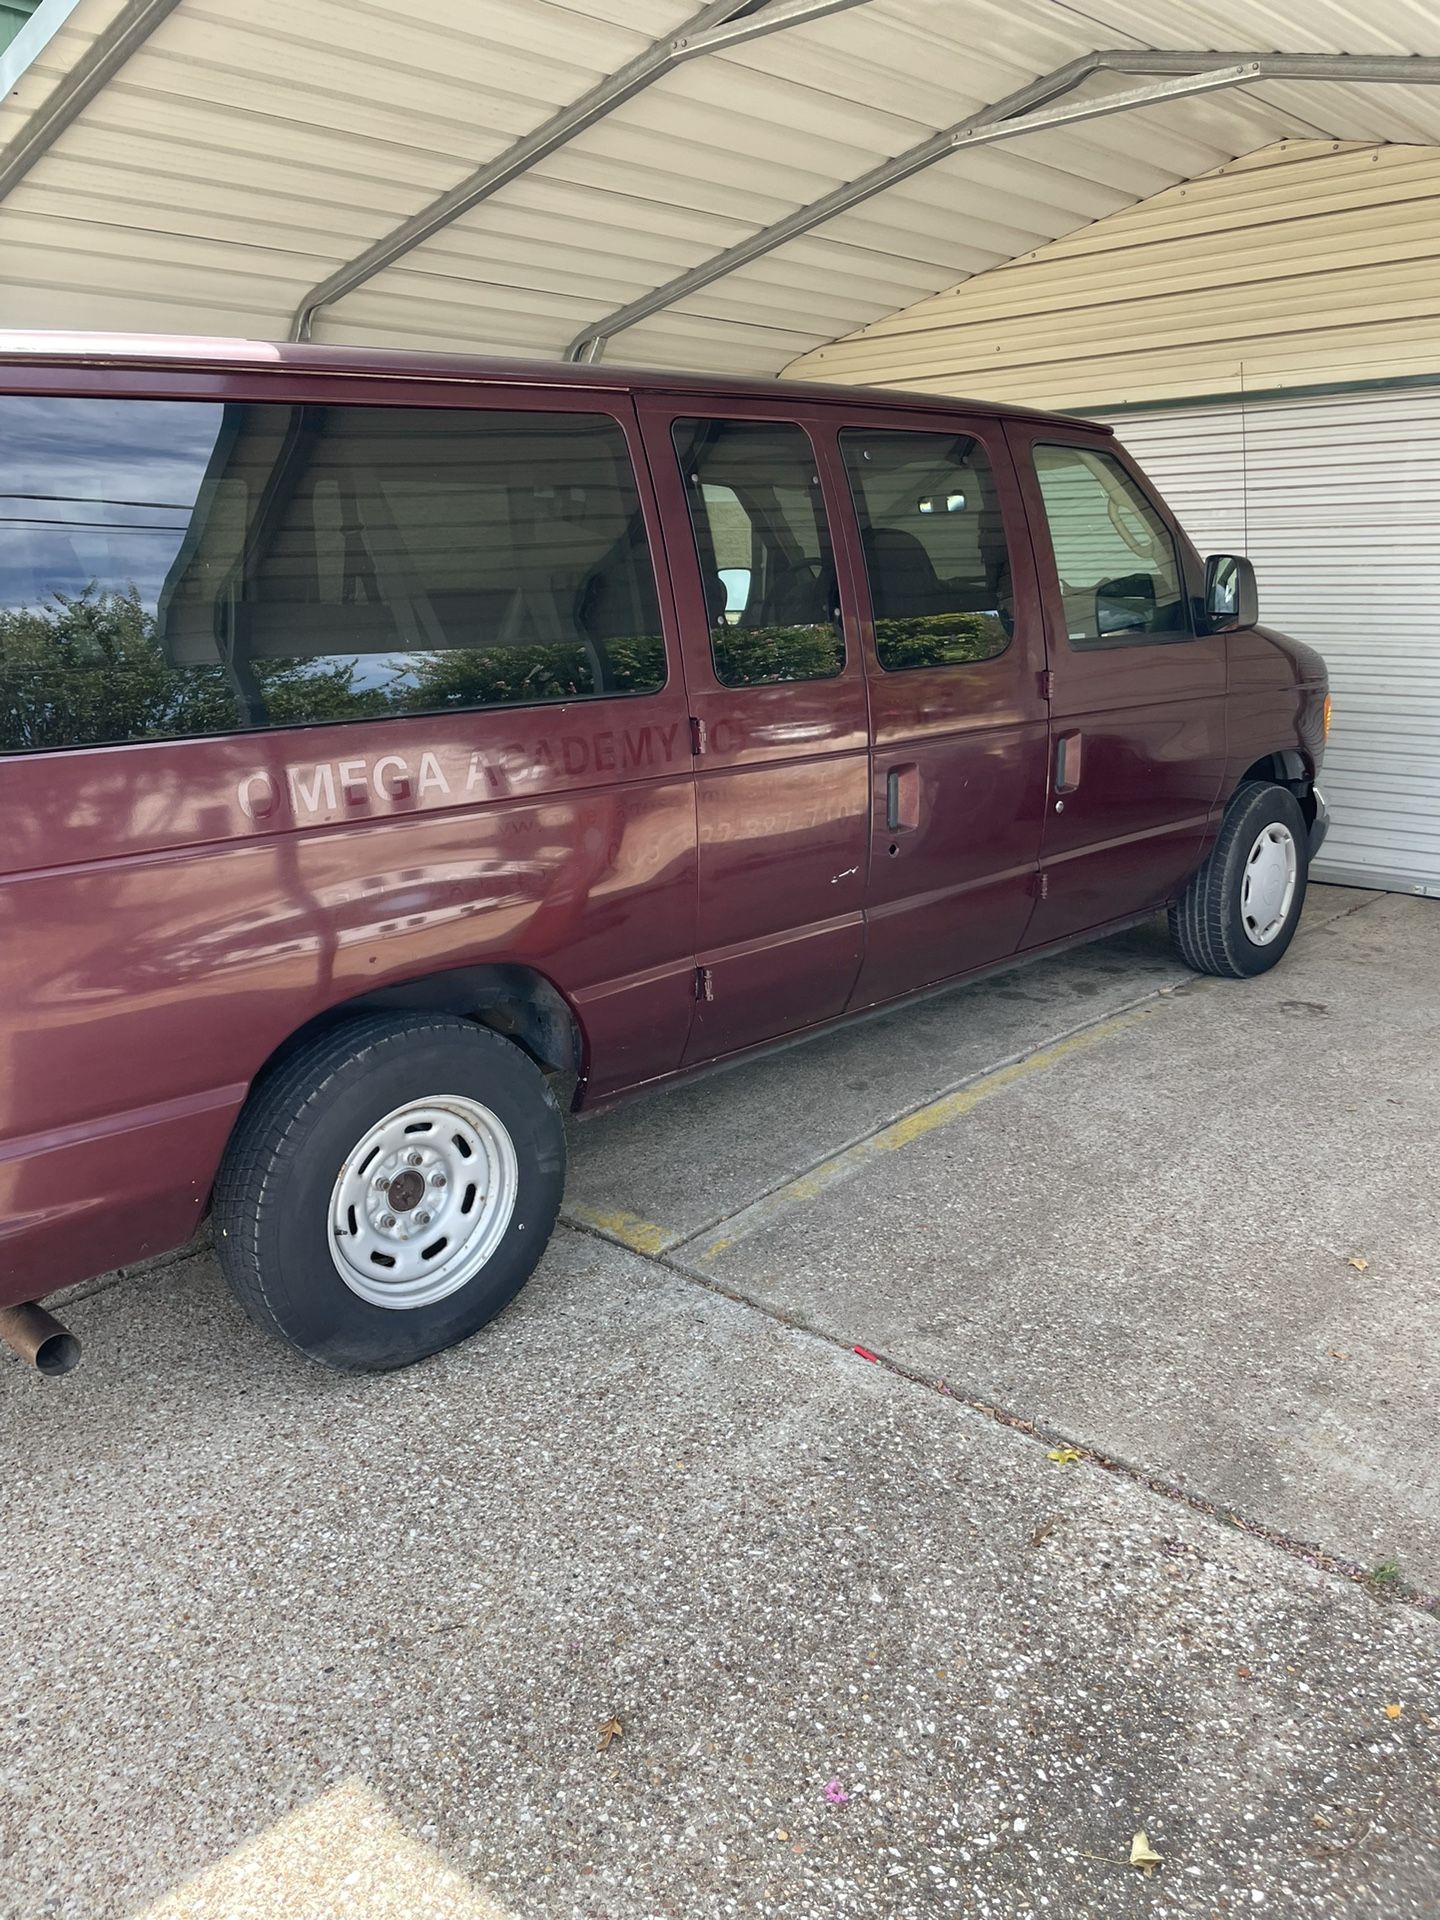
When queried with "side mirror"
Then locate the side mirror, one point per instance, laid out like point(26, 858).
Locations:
point(1231, 599)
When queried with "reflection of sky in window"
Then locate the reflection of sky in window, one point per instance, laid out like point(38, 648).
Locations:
point(91, 490)
point(391, 671)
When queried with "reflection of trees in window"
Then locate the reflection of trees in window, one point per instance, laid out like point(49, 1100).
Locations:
point(939, 640)
point(263, 565)
point(515, 675)
point(87, 669)
point(757, 656)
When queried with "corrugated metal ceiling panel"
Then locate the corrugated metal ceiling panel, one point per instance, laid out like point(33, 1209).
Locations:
point(252, 147)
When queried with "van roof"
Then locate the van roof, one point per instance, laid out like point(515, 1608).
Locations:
point(154, 350)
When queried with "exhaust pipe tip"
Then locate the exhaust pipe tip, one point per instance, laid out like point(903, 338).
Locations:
point(56, 1354)
point(37, 1336)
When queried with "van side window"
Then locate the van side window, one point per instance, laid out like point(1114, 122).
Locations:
point(1120, 578)
point(763, 544)
point(934, 546)
point(172, 568)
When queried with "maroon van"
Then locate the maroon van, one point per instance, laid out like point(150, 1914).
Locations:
point(387, 740)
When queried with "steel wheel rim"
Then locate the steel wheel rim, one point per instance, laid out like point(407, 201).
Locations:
point(422, 1202)
point(1267, 891)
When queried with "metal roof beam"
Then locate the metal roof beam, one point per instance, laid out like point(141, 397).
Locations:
point(102, 59)
point(1173, 75)
point(715, 29)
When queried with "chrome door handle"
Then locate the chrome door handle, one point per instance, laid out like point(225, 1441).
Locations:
point(1067, 762)
point(902, 798)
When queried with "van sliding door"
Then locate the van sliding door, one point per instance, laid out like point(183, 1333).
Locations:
point(955, 652)
point(777, 704)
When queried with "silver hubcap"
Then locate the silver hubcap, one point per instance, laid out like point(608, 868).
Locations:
point(422, 1202)
point(1272, 870)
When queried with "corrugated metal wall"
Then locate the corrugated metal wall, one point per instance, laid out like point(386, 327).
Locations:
point(1303, 265)
point(1309, 261)
point(1336, 499)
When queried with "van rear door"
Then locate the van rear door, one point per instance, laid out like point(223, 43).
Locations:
point(777, 700)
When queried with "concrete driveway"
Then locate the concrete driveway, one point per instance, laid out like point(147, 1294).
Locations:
point(926, 1458)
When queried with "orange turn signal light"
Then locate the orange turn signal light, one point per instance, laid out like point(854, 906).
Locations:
point(1325, 720)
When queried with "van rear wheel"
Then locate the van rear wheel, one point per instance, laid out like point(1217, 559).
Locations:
point(389, 1188)
point(1239, 912)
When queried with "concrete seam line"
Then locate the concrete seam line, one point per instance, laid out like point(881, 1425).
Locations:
point(1310, 1553)
point(640, 1235)
point(648, 1237)
point(913, 1124)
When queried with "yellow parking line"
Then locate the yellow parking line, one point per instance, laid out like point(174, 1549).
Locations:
point(911, 1127)
point(625, 1229)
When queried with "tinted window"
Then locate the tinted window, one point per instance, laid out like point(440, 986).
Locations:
point(764, 550)
point(172, 568)
point(1119, 572)
point(934, 547)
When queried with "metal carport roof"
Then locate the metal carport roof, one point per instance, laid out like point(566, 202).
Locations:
point(718, 189)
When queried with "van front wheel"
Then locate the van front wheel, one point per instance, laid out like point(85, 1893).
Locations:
point(1239, 912)
point(389, 1188)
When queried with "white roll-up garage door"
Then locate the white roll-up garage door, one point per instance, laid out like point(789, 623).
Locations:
point(1336, 499)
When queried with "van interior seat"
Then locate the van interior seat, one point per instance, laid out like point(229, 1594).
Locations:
point(801, 594)
point(903, 582)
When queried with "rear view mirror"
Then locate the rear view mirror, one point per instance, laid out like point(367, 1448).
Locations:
point(1231, 599)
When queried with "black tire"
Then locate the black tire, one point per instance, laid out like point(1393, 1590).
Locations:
point(301, 1124)
point(1207, 924)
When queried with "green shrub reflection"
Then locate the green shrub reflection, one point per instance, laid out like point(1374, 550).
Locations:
point(89, 670)
point(760, 656)
point(939, 640)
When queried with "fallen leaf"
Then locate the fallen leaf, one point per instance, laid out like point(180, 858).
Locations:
point(1043, 1531)
point(1359, 1262)
point(1242, 1673)
point(610, 1729)
point(1337, 1353)
point(1392, 1710)
point(1064, 1456)
point(1319, 1820)
point(1142, 1854)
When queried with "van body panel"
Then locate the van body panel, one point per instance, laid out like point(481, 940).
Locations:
point(177, 909)
point(697, 870)
point(104, 1194)
point(1277, 703)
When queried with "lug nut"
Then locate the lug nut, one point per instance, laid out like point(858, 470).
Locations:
point(422, 1219)
point(414, 1158)
point(387, 1220)
point(382, 1185)
point(437, 1179)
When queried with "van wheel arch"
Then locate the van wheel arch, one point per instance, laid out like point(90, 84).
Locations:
point(515, 1001)
point(1286, 767)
